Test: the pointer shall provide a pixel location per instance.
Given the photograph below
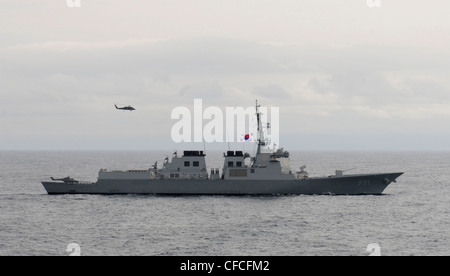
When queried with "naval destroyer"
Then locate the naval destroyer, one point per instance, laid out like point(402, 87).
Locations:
point(266, 173)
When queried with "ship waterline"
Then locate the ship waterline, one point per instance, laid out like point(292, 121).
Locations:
point(367, 184)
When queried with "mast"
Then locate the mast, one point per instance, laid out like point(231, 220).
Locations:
point(260, 138)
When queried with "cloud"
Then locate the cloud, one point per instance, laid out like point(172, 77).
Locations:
point(205, 90)
point(271, 91)
point(46, 86)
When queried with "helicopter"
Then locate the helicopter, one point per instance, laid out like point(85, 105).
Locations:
point(129, 107)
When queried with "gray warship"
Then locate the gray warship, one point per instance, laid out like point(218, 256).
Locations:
point(266, 173)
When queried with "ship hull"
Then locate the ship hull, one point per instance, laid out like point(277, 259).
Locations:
point(363, 184)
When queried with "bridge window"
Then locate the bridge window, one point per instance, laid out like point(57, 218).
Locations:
point(187, 163)
point(196, 164)
point(230, 164)
point(238, 164)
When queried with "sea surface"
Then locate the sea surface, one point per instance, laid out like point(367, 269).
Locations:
point(412, 217)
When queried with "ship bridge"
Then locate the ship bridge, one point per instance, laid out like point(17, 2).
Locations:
point(191, 165)
point(263, 166)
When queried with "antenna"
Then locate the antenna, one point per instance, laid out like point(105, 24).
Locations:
point(260, 137)
point(228, 141)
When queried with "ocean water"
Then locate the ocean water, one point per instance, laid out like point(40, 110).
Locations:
point(411, 218)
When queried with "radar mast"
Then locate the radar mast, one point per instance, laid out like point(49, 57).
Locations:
point(261, 141)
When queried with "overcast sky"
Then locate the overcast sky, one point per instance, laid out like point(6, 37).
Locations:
point(345, 76)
